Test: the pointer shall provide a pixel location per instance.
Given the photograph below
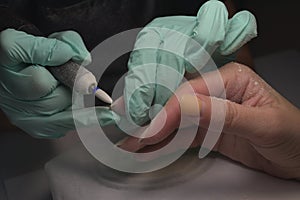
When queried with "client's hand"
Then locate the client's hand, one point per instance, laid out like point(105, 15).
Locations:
point(261, 127)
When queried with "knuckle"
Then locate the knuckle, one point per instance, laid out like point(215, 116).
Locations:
point(66, 36)
point(72, 33)
point(231, 115)
point(239, 70)
point(277, 122)
point(7, 41)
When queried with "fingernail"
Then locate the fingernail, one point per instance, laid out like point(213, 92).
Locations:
point(156, 125)
point(190, 105)
point(121, 142)
point(203, 152)
point(118, 106)
point(129, 145)
point(143, 136)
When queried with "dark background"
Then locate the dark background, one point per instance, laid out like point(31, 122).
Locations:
point(96, 20)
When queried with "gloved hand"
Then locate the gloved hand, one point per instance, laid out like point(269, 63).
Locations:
point(161, 43)
point(29, 95)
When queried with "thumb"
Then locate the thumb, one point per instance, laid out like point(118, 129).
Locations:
point(236, 119)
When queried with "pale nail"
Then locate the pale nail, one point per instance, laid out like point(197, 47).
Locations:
point(121, 142)
point(190, 105)
point(118, 106)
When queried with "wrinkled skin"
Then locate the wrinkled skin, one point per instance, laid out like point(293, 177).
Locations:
point(261, 127)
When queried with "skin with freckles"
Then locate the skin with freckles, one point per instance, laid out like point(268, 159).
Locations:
point(261, 127)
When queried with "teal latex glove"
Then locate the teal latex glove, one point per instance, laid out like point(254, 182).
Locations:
point(29, 95)
point(219, 36)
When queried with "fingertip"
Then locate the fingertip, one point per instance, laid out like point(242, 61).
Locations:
point(83, 58)
point(118, 106)
point(242, 28)
point(154, 133)
point(130, 144)
point(212, 4)
point(164, 124)
point(249, 21)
